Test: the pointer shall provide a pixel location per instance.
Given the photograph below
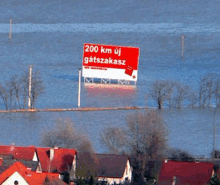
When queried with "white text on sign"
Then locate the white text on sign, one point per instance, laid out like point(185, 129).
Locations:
point(95, 49)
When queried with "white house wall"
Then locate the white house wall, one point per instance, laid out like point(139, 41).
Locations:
point(111, 180)
point(15, 176)
point(35, 157)
point(74, 167)
point(127, 172)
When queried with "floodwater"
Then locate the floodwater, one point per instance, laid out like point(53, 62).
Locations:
point(51, 36)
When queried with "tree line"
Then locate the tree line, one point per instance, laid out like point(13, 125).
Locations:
point(144, 140)
point(175, 93)
point(15, 92)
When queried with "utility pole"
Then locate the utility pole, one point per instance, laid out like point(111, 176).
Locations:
point(10, 29)
point(29, 92)
point(182, 46)
point(79, 88)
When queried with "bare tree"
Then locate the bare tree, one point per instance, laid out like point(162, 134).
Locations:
point(15, 88)
point(114, 139)
point(192, 98)
point(217, 92)
point(65, 135)
point(160, 91)
point(10, 91)
point(147, 133)
point(24, 89)
point(37, 87)
point(147, 139)
point(182, 93)
point(170, 90)
point(212, 79)
point(179, 155)
point(215, 154)
point(15, 91)
point(207, 88)
point(145, 136)
point(4, 95)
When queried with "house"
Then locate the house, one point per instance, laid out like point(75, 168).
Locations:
point(108, 167)
point(55, 160)
point(18, 172)
point(180, 173)
point(113, 168)
point(12, 152)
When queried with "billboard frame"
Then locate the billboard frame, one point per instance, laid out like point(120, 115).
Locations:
point(131, 62)
point(109, 81)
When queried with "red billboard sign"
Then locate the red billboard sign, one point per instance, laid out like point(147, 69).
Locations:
point(113, 62)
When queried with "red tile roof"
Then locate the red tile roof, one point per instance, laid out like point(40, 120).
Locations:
point(63, 159)
point(185, 172)
point(18, 152)
point(32, 178)
point(44, 158)
point(1, 161)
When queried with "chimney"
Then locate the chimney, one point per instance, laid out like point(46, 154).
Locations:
point(12, 147)
point(51, 153)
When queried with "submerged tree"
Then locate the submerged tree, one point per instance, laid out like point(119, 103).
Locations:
point(15, 84)
point(180, 94)
point(192, 98)
point(217, 92)
point(37, 87)
point(15, 91)
point(208, 86)
point(160, 92)
point(4, 95)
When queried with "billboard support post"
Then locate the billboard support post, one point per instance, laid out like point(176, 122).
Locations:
point(79, 88)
